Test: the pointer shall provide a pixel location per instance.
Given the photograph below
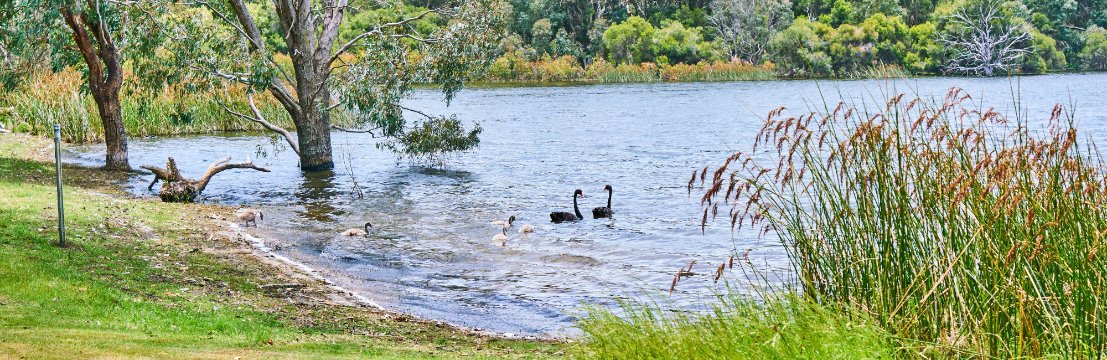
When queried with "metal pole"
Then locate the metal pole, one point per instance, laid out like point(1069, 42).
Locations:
point(58, 170)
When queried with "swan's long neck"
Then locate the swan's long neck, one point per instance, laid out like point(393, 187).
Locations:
point(608, 198)
point(575, 209)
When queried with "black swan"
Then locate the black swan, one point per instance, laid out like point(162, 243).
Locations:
point(561, 216)
point(604, 211)
point(358, 232)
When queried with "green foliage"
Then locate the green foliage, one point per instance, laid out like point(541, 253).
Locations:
point(541, 35)
point(1043, 56)
point(840, 13)
point(799, 49)
point(678, 44)
point(691, 17)
point(1094, 54)
point(630, 41)
point(563, 45)
point(924, 53)
point(386, 49)
point(854, 39)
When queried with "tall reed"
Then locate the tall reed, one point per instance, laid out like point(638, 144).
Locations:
point(47, 98)
point(512, 68)
point(954, 226)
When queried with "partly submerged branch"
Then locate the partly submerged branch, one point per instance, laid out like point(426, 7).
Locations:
point(177, 188)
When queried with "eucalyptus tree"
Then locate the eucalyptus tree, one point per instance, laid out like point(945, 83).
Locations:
point(95, 35)
point(328, 68)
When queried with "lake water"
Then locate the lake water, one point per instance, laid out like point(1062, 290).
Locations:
point(432, 255)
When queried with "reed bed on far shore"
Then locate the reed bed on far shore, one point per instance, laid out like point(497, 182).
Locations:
point(510, 68)
point(48, 98)
point(959, 230)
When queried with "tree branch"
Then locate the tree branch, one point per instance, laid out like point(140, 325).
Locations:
point(260, 120)
point(221, 166)
point(378, 30)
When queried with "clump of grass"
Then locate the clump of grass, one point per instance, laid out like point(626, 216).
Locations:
point(948, 223)
point(737, 328)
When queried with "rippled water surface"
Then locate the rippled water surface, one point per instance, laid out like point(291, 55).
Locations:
point(432, 253)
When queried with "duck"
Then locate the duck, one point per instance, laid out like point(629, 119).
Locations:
point(604, 211)
point(510, 221)
point(248, 216)
point(501, 238)
point(561, 216)
point(357, 231)
point(526, 229)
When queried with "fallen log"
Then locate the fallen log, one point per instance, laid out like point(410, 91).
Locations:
point(177, 188)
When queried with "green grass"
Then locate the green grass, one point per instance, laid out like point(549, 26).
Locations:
point(957, 229)
point(146, 279)
point(738, 328)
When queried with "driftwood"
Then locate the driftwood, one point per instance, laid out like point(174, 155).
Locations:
point(177, 188)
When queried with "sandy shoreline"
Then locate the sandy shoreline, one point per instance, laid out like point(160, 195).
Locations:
point(339, 295)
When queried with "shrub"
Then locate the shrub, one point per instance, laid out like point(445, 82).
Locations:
point(678, 44)
point(798, 50)
point(629, 42)
point(1043, 56)
point(1094, 53)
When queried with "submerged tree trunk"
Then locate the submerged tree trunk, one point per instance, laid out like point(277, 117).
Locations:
point(311, 54)
point(105, 78)
point(313, 130)
point(177, 188)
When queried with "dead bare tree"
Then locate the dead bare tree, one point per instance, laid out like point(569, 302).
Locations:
point(984, 40)
point(177, 188)
point(745, 26)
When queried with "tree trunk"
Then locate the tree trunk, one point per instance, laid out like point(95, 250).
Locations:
point(115, 137)
point(105, 78)
point(313, 131)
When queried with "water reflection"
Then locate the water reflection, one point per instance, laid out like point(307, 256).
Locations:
point(317, 193)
